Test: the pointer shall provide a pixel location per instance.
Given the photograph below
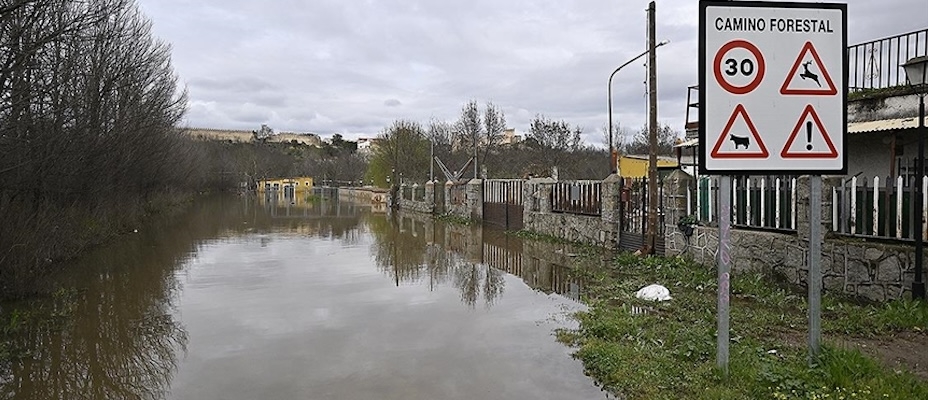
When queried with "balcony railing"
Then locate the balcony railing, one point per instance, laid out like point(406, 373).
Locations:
point(876, 64)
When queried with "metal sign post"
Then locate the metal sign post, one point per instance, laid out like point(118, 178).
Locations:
point(815, 267)
point(773, 100)
point(724, 260)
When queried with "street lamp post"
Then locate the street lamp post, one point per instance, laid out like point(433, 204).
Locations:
point(916, 70)
point(609, 90)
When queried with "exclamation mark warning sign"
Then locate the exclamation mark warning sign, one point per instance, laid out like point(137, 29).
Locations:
point(817, 143)
point(809, 135)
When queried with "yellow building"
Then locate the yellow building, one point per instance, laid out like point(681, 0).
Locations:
point(636, 166)
point(298, 184)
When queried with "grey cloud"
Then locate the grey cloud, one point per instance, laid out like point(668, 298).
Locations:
point(327, 66)
point(392, 103)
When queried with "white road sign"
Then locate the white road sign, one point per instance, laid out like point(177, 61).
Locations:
point(773, 93)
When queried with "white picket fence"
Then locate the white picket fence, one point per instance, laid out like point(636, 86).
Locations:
point(758, 202)
point(881, 207)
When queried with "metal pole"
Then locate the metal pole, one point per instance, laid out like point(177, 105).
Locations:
point(724, 267)
point(431, 160)
point(609, 94)
point(815, 267)
point(652, 164)
point(475, 155)
point(918, 285)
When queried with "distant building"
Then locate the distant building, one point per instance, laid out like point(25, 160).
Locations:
point(636, 166)
point(367, 145)
point(296, 184)
point(510, 137)
point(241, 136)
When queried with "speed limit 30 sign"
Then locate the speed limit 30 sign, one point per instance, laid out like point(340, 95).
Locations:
point(773, 95)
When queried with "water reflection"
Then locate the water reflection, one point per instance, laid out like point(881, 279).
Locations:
point(317, 314)
point(116, 335)
point(317, 213)
point(415, 249)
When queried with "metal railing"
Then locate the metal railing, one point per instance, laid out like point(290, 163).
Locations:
point(504, 191)
point(880, 207)
point(877, 64)
point(634, 206)
point(577, 197)
point(757, 202)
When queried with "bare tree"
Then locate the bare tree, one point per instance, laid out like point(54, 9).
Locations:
point(553, 140)
point(88, 109)
point(666, 138)
point(468, 130)
point(494, 125)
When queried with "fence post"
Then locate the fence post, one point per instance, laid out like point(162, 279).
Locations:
point(610, 214)
point(802, 189)
point(676, 202)
point(448, 186)
point(430, 196)
point(475, 199)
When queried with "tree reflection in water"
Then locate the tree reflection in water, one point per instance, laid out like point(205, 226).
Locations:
point(116, 337)
point(413, 249)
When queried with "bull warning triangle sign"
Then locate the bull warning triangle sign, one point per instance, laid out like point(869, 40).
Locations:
point(741, 145)
point(816, 142)
point(814, 79)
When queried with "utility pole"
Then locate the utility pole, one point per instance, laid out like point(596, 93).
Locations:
point(652, 134)
point(475, 155)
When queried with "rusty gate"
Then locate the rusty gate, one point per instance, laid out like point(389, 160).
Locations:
point(502, 203)
point(633, 212)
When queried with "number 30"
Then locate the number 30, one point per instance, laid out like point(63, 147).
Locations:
point(747, 67)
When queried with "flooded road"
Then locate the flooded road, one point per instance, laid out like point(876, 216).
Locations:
point(246, 299)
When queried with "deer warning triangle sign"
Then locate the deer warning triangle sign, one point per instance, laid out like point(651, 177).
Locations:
point(816, 142)
point(735, 142)
point(814, 78)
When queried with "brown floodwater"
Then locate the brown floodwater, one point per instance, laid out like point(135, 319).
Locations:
point(252, 298)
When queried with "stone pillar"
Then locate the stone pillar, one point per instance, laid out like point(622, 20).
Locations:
point(401, 196)
point(802, 206)
point(676, 186)
point(475, 199)
point(474, 240)
point(545, 186)
point(430, 196)
point(611, 211)
point(448, 186)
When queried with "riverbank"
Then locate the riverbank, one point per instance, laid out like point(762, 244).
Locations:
point(38, 237)
point(645, 350)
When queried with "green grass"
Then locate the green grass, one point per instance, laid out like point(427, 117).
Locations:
point(454, 219)
point(669, 352)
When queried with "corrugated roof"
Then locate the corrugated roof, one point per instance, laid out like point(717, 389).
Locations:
point(688, 143)
point(884, 125)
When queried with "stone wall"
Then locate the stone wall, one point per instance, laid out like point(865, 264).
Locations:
point(364, 195)
point(425, 205)
point(877, 271)
point(576, 228)
point(472, 205)
point(595, 230)
point(874, 270)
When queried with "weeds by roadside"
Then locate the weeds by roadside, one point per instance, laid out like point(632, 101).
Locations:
point(645, 350)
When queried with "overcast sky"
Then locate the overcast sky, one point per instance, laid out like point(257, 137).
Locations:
point(354, 66)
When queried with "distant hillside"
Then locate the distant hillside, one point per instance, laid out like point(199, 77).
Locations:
point(236, 136)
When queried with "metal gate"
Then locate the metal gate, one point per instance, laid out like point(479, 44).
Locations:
point(633, 211)
point(502, 203)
